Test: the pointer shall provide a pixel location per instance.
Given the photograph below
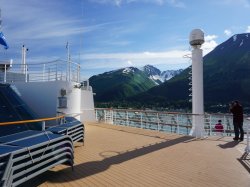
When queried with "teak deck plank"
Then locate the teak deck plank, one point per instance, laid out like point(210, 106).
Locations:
point(124, 156)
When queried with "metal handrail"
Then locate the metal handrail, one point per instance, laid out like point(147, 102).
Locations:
point(31, 121)
point(174, 122)
point(39, 72)
point(162, 112)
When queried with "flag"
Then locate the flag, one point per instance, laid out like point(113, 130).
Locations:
point(67, 45)
point(3, 41)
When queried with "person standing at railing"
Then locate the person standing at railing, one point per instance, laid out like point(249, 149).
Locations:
point(237, 110)
point(219, 128)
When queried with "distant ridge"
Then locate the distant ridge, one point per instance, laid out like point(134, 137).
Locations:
point(119, 84)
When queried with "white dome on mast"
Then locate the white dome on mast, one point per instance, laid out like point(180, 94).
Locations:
point(196, 38)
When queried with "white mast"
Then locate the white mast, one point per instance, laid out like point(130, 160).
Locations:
point(23, 66)
point(196, 39)
point(68, 76)
point(0, 20)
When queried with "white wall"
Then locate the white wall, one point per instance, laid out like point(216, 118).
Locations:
point(87, 106)
point(73, 99)
point(42, 97)
point(39, 96)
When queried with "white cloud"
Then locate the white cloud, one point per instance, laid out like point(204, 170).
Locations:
point(243, 3)
point(120, 60)
point(174, 3)
point(129, 63)
point(228, 32)
point(248, 29)
point(209, 44)
point(210, 37)
point(143, 55)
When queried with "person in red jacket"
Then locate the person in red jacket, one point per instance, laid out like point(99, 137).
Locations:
point(237, 111)
point(219, 127)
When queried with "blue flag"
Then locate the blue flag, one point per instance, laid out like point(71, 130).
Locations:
point(3, 41)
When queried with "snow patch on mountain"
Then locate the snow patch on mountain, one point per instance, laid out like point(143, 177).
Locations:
point(157, 76)
point(128, 70)
point(235, 37)
point(166, 75)
point(241, 43)
point(150, 71)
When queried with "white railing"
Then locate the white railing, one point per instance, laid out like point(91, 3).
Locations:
point(248, 137)
point(173, 122)
point(38, 72)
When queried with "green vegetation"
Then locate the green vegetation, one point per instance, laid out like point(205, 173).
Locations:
point(226, 78)
point(118, 85)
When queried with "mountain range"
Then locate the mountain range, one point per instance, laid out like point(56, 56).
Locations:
point(226, 78)
point(126, 82)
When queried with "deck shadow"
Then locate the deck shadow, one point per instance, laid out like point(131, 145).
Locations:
point(137, 133)
point(91, 168)
point(229, 145)
point(245, 161)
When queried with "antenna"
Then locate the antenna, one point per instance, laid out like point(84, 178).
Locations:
point(0, 19)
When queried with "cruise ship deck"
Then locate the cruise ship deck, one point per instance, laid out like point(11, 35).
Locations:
point(125, 156)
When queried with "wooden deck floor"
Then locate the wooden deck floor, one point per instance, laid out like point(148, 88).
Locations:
point(123, 156)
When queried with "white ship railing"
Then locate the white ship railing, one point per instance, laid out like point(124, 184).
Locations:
point(248, 137)
point(173, 122)
point(38, 72)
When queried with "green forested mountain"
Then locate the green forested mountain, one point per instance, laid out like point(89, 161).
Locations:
point(226, 78)
point(120, 84)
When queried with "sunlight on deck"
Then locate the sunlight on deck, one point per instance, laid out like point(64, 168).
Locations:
point(125, 156)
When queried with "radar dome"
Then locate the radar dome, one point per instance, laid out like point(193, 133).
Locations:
point(196, 37)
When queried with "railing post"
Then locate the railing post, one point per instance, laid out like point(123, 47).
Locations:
point(114, 118)
point(158, 121)
point(224, 123)
point(177, 121)
point(56, 70)
point(127, 118)
point(26, 73)
point(210, 124)
point(49, 74)
point(248, 137)
point(96, 115)
point(5, 73)
point(141, 120)
point(43, 125)
point(105, 116)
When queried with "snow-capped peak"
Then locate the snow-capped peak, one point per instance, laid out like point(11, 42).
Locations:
point(129, 70)
point(235, 37)
point(157, 76)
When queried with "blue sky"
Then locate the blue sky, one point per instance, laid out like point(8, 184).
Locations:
point(109, 34)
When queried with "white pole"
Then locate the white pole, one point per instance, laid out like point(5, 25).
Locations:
point(23, 66)
point(43, 72)
point(43, 125)
point(69, 65)
point(5, 73)
point(26, 72)
point(196, 40)
point(68, 59)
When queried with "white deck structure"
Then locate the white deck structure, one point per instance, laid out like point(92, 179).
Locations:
point(51, 88)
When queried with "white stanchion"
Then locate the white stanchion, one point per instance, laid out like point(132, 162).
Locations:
point(248, 136)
